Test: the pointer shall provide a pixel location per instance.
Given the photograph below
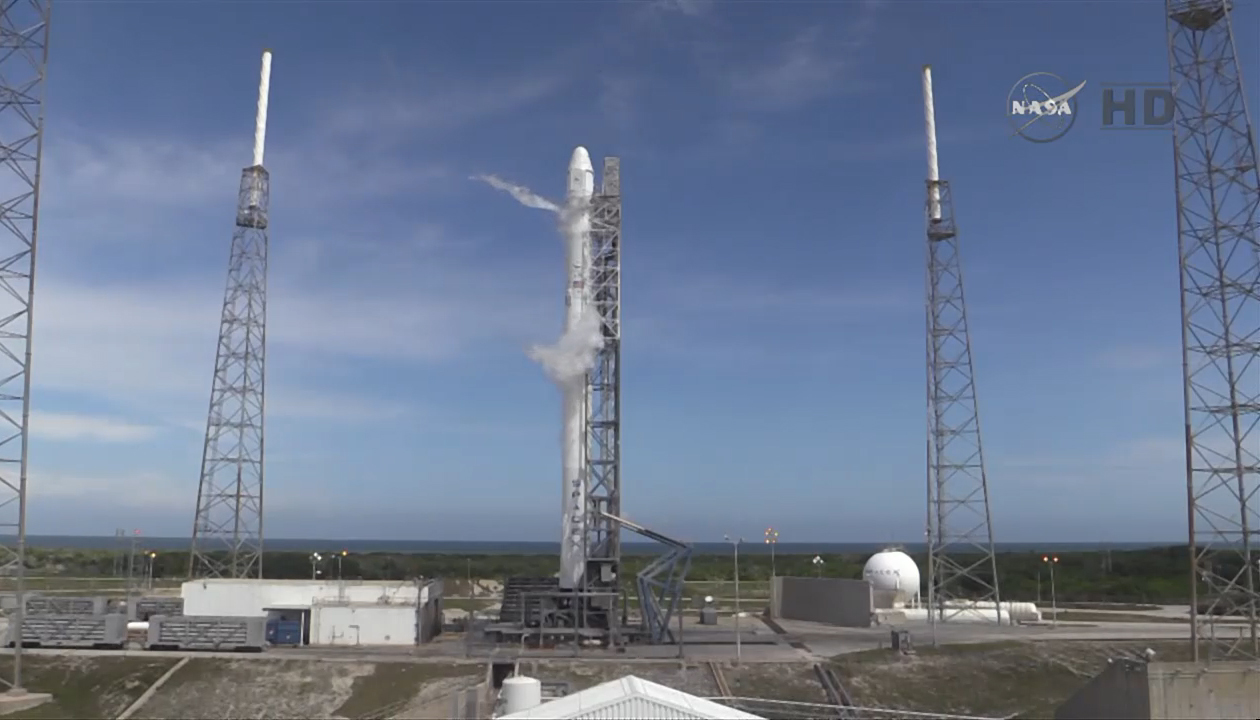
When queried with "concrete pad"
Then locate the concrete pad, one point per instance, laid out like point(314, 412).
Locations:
point(18, 700)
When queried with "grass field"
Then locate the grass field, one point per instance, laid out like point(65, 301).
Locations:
point(1020, 679)
point(83, 687)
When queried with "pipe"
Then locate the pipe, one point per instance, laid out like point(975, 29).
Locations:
point(934, 169)
point(260, 122)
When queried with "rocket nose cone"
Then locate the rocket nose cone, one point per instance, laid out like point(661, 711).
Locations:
point(580, 158)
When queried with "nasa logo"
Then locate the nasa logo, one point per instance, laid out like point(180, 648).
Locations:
point(1041, 107)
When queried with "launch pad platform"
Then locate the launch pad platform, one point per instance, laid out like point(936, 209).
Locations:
point(537, 612)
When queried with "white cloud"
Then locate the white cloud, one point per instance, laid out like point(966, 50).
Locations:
point(1148, 453)
point(141, 489)
point(74, 427)
point(691, 8)
point(405, 104)
point(815, 63)
point(1136, 357)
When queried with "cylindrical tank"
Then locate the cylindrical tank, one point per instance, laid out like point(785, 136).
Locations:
point(135, 626)
point(893, 571)
point(521, 693)
point(1011, 611)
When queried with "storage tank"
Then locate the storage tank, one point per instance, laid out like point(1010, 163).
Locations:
point(891, 570)
point(521, 693)
point(1011, 611)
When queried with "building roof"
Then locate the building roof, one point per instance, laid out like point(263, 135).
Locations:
point(632, 698)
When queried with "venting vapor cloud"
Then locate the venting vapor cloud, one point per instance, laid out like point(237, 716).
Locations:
point(522, 194)
point(573, 355)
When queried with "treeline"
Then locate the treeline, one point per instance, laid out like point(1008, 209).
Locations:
point(1156, 575)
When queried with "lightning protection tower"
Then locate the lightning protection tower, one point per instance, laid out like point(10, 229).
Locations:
point(23, 63)
point(962, 564)
point(603, 424)
point(1218, 194)
point(227, 537)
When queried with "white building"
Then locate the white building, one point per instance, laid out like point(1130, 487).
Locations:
point(351, 612)
point(631, 698)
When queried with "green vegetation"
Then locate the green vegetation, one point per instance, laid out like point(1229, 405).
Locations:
point(1153, 576)
point(84, 686)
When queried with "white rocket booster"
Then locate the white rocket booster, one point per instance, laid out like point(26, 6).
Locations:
point(577, 221)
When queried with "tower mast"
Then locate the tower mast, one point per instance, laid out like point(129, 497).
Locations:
point(227, 538)
point(23, 67)
point(603, 424)
point(1218, 195)
point(962, 562)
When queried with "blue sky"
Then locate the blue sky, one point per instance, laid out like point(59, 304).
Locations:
point(772, 164)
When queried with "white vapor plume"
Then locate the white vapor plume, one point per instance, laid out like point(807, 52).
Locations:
point(523, 195)
point(573, 355)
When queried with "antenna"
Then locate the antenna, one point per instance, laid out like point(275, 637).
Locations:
point(962, 565)
point(260, 123)
point(227, 539)
point(1218, 243)
point(933, 162)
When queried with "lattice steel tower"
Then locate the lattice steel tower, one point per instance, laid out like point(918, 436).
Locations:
point(23, 64)
point(603, 425)
point(227, 537)
point(1218, 194)
point(962, 564)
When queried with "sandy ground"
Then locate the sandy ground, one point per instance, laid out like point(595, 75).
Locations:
point(213, 688)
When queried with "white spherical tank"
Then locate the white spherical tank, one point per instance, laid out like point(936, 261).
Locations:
point(521, 693)
point(893, 571)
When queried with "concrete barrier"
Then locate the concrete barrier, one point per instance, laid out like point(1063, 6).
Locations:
point(1136, 690)
point(834, 601)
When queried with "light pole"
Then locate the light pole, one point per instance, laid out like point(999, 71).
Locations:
point(818, 564)
point(315, 558)
point(339, 557)
point(1054, 602)
point(131, 562)
point(152, 562)
point(772, 539)
point(739, 652)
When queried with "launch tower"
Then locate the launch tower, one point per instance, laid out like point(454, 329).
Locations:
point(594, 611)
point(962, 565)
point(23, 65)
point(227, 537)
point(603, 421)
point(1218, 196)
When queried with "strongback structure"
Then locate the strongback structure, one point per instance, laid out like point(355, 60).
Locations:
point(227, 537)
point(962, 564)
point(1218, 195)
point(23, 62)
point(603, 422)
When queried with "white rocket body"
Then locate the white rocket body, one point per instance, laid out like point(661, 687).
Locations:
point(577, 218)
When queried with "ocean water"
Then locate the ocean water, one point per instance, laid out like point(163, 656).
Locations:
point(448, 547)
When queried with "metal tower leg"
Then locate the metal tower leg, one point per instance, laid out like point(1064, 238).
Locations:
point(23, 65)
point(962, 564)
point(227, 535)
point(1218, 194)
point(603, 455)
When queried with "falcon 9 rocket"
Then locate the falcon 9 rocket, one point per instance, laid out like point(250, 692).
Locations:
point(576, 223)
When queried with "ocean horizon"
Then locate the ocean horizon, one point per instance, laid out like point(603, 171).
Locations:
point(491, 547)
